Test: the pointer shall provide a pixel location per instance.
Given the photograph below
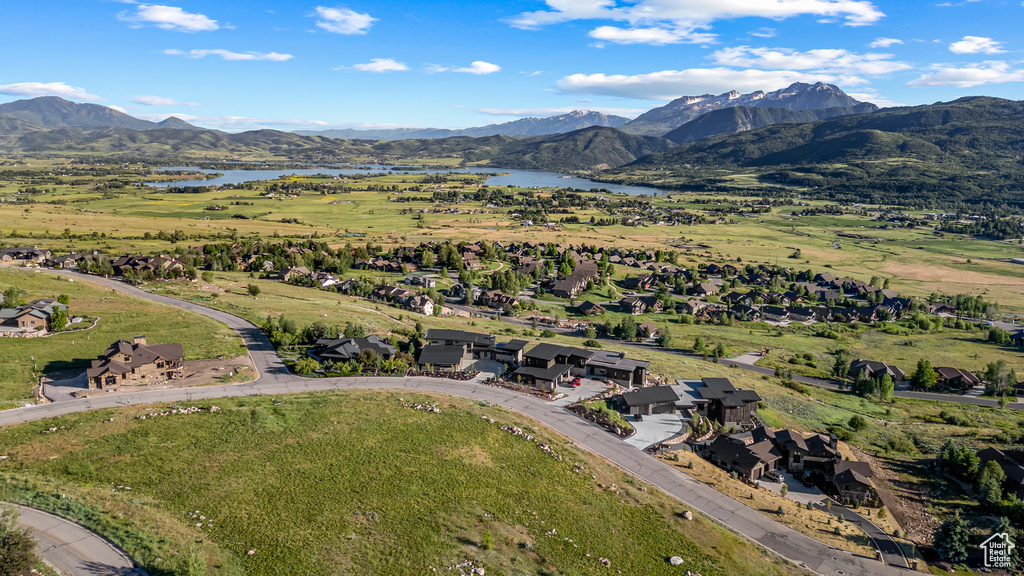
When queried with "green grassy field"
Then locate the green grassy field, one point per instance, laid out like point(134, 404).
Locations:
point(356, 483)
point(22, 360)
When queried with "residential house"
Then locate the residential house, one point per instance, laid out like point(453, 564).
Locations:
point(650, 400)
point(345, 349)
point(614, 366)
point(511, 352)
point(648, 329)
point(956, 379)
point(421, 304)
point(589, 308)
point(799, 452)
point(36, 315)
point(875, 370)
point(1012, 463)
point(498, 300)
point(632, 305)
point(853, 481)
point(576, 283)
point(136, 363)
point(445, 357)
point(750, 462)
point(718, 399)
point(775, 313)
point(290, 274)
point(479, 345)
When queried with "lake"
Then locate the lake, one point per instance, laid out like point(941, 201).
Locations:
point(521, 178)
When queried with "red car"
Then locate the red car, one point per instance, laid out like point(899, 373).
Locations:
point(575, 382)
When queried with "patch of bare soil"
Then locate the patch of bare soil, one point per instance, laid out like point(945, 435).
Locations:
point(197, 373)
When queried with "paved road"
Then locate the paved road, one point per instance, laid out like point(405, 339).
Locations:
point(74, 549)
point(274, 379)
point(891, 552)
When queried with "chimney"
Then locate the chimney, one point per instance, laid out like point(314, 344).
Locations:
point(833, 441)
point(140, 340)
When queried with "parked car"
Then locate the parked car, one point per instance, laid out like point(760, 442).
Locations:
point(638, 418)
point(576, 382)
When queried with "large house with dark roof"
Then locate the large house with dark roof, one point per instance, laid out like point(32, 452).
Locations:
point(875, 370)
point(136, 363)
point(345, 349)
point(445, 357)
point(749, 461)
point(815, 452)
point(956, 379)
point(853, 481)
point(479, 345)
point(651, 400)
point(718, 399)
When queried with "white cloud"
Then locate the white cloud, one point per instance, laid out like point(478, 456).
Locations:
point(884, 42)
point(378, 65)
point(764, 32)
point(976, 45)
point(118, 108)
point(35, 89)
point(168, 18)
point(343, 20)
point(990, 72)
point(695, 14)
point(160, 101)
point(479, 67)
point(228, 55)
point(656, 36)
point(833, 61)
point(670, 84)
point(872, 96)
point(521, 112)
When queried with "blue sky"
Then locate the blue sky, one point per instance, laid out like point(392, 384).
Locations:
point(240, 65)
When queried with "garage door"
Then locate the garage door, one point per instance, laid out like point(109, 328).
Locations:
point(662, 409)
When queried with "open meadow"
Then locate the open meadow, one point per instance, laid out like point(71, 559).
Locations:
point(358, 483)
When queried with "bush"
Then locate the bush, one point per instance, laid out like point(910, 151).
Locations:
point(857, 423)
point(545, 333)
point(591, 344)
point(207, 276)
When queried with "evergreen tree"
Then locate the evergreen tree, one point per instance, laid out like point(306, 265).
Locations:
point(924, 377)
point(952, 538)
point(886, 387)
point(1005, 527)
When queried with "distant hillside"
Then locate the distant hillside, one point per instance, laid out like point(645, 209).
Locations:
point(974, 131)
point(587, 149)
point(797, 96)
point(560, 124)
point(967, 151)
point(743, 118)
point(54, 112)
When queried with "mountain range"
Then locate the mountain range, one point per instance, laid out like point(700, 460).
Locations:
point(797, 96)
point(560, 124)
point(55, 112)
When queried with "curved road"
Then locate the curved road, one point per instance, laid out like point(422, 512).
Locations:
point(74, 549)
point(275, 379)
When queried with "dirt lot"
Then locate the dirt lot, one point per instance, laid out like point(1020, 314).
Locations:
point(70, 384)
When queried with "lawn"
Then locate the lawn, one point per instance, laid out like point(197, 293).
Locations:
point(358, 483)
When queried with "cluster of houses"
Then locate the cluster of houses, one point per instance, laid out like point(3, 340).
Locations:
point(946, 377)
point(544, 366)
point(35, 318)
point(758, 453)
point(136, 362)
point(24, 254)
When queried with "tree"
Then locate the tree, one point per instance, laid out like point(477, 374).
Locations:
point(427, 259)
point(664, 339)
point(306, 365)
point(64, 299)
point(951, 539)
point(194, 561)
point(59, 320)
point(886, 387)
point(253, 290)
point(17, 547)
point(698, 345)
point(589, 333)
point(1005, 527)
point(999, 378)
point(841, 364)
point(924, 377)
point(12, 297)
point(207, 276)
point(990, 483)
